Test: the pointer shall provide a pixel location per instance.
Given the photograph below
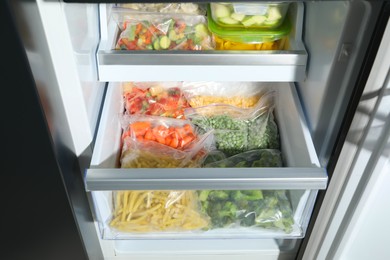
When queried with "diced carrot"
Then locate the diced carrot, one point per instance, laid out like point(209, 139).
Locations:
point(160, 139)
point(138, 28)
point(140, 128)
point(174, 143)
point(168, 140)
point(149, 135)
point(187, 140)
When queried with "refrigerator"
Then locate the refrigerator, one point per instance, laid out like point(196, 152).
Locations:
point(62, 80)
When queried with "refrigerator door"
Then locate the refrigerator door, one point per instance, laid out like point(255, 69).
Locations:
point(352, 221)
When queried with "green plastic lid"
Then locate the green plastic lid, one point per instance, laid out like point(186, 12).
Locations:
point(249, 35)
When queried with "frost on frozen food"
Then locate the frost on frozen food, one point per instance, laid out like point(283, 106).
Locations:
point(163, 32)
point(157, 211)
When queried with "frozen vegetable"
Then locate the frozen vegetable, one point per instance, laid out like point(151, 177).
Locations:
point(237, 130)
point(157, 98)
point(176, 133)
point(136, 154)
point(163, 32)
point(258, 15)
point(148, 211)
point(252, 158)
point(235, 38)
point(184, 8)
point(269, 209)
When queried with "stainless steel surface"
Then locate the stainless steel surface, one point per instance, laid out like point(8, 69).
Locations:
point(336, 36)
point(205, 178)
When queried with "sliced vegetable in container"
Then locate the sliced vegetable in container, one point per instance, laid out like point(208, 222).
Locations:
point(146, 31)
point(263, 15)
point(154, 98)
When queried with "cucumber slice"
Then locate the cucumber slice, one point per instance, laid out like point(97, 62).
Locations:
point(238, 17)
point(173, 36)
point(156, 44)
point(255, 19)
point(165, 42)
point(221, 10)
point(273, 14)
point(201, 30)
point(228, 20)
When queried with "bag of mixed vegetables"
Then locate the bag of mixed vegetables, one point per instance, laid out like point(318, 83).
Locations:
point(162, 32)
point(141, 154)
point(154, 98)
point(179, 8)
point(176, 133)
point(157, 211)
point(238, 94)
point(238, 130)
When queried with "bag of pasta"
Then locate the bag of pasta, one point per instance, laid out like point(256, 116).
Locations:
point(140, 154)
point(157, 211)
point(238, 94)
point(154, 98)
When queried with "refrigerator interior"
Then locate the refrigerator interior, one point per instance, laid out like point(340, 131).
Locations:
point(318, 71)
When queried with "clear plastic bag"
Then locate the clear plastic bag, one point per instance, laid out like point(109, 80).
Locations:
point(180, 8)
point(252, 158)
point(176, 133)
point(156, 211)
point(137, 154)
point(238, 130)
point(270, 209)
point(154, 98)
point(162, 32)
point(239, 94)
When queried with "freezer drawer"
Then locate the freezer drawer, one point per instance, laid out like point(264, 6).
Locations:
point(287, 65)
point(298, 181)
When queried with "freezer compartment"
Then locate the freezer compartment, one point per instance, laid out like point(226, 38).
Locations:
point(300, 179)
point(287, 65)
point(279, 214)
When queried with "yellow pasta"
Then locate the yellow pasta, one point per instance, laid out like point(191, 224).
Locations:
point(146, 211)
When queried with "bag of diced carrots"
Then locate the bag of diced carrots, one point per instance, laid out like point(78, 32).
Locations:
point(157, 142)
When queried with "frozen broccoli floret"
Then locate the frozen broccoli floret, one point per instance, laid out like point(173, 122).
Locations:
point(218, 195)
point(203, 195)
point(247, 195)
